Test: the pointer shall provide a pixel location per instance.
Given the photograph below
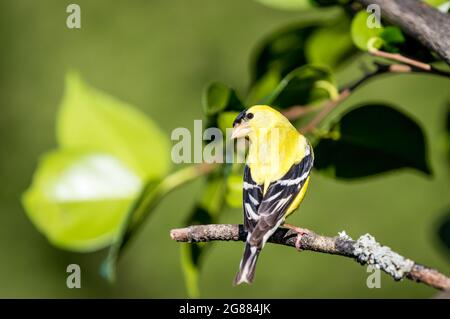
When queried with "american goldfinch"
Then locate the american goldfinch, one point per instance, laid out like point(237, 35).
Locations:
point(276, 177)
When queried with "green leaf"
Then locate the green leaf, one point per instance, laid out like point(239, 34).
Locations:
point(94, 121)
point(447, 128)
point(283, 51)
point(435, 3)
point(81, 193)
point(371, 139)
point(233, 196)
point(392, 35)
point(364, 36)
point(306, 85)
point(190, 263)
point(286, 4)
point(205, 212)
point(225, 120)
point(263, 88)
point(331, 46)
point(78, 200)
point(218, 97)
point(444, 230)
point(215, 98)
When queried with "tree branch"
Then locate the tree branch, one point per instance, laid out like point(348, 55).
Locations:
point(422, 22)
point(365, 250)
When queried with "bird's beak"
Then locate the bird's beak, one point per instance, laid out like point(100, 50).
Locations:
point(240, 130)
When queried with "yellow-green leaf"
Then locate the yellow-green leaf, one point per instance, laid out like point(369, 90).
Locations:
point(435, 3)
point(331, 45)
point(225, 120)
point(263, 88)
point(306, 85)
point(215, 98)
point(234, 190)
point(81, 193)
point(94, 121)
point(78, 200)
point(363, 35)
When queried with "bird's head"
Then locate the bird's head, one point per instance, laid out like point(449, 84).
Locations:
point(255, 118)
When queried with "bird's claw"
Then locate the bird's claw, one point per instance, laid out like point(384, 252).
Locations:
point(300, 233)
point(298, 244)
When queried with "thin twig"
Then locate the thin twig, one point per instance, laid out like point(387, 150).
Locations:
point(397, 57)
point(296, 111)
point(365, 250)
point(328, 107)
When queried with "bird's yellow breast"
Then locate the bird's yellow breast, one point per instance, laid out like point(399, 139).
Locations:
point(272, 156)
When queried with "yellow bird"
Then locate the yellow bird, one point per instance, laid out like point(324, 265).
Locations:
point(276, 177)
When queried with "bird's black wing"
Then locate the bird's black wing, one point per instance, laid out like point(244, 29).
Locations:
point(252, 199)
point(278, 198)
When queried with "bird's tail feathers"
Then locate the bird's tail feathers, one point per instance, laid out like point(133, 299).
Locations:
point(247, 267)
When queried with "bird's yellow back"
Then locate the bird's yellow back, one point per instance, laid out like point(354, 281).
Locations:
point(275, 145)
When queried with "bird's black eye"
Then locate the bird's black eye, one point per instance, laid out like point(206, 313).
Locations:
point(249, 116)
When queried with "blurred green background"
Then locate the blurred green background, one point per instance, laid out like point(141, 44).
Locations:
point(159, 55)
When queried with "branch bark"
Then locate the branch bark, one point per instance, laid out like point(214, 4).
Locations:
point(424, 23)
point(365, 250)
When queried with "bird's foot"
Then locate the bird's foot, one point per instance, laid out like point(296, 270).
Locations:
point(300, 233)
